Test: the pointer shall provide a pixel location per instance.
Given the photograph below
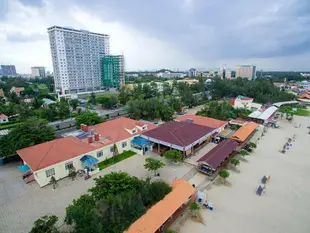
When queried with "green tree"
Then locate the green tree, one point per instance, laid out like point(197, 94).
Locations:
point(63, 110)
point(92, 98)
point(82, 215)
point(114, 183)
point(37, 103)
point(224, 174)
point(53, 182)
point(243, 152)
point(74, 103)
point(152, 164)
point(103, 101)
point(31, 132)
point(175, 103)
point(235, 161)
point(166, 113)
point(112, 101)
point(173, 155)
point(45, 224)
point(72, 172)
point(124, 95)
point(88, 118)
point(252, 144)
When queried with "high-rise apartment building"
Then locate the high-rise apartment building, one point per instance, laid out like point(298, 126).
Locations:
point(246, 71)
point(38, 71)
point(113, 71)
point(76, 56)
point(192, 72)
point(7, 70)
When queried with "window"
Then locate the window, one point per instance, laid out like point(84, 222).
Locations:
point(124, 144)
point(69, 165)
point(99, 154)
point(112, 149)
point(50, 172)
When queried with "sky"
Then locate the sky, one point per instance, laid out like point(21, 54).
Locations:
point(173, 34)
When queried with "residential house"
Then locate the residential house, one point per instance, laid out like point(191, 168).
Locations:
point(244, 102)
point(17, 90)
point(2, 93)
point(3, 118)
point(84, 150)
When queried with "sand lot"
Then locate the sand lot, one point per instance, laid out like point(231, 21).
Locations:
point(284, 208)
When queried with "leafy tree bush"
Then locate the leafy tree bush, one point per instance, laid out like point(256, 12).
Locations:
point(88, 118)
point(31, 132)
point(243, 152)
point(45, 224)
point(152, 164)
point(173, 155)
point(235, 161)
point(224, 174)
point(252, 144)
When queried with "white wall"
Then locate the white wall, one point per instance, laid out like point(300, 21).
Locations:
point(243, 103)
point(4, 120)
point(61, 172)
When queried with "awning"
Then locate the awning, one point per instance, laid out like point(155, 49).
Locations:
point(89, 160)
point(140, 141)
point(24, 168)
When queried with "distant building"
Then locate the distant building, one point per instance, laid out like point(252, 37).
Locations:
point(113, 71)
point(304, 84)
point(2, 93)
point(224, 73)
point(192, 72)
point(7, 70)
point(168, 74)
point(228, 74)
point(3, 118)
point(76, 56)
point(246, 71)
point(38, 72)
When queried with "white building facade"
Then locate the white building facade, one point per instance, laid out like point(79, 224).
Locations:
point(76, 56)
point(246, 71)
point(38, 72)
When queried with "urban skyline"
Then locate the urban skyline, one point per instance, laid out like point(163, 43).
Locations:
point(153, 44)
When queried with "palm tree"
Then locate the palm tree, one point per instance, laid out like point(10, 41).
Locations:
point(235, 161)
point(224, 174)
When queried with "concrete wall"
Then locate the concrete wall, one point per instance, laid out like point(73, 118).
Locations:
point(61, 172)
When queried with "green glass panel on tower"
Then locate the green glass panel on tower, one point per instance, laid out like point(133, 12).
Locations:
point(112, 71)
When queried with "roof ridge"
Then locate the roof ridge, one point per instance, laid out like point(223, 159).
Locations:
point(44, 156)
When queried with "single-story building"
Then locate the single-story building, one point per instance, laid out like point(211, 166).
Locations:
point(264, 116)
point(47, 102)
point(83, 150)
point(212, 160)
point(3, 118)
point(244, 133)
point(162, 215)
point(183, 136)
point(204, 121)
point(244, 102)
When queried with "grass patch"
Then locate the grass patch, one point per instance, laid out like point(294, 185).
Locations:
point(9, 126)
point(298, 112)
point(108, 162)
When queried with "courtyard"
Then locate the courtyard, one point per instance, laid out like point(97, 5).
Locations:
point(21, 204)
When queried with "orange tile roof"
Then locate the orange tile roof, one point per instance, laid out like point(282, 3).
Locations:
point(115, 130)
point(49, 153)
point(201, 120)
point(305, 96)
point(158, 214)
point(1, 92)
point(17, 90)
point(244, 132)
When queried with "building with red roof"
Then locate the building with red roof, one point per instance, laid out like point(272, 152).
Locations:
point(17, 90)
point(184, 136)
point(83, 149)
point(204, 121)
point(3, 118)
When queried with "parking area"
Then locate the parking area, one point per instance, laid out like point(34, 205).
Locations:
point(21, 204)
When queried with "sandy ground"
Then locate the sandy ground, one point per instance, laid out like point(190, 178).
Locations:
point(284, 208)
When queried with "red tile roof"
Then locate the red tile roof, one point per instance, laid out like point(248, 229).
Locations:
point(2, 116)
point(159, 213)
point(49, 153)
point(219, 153)
point(1, 92)
point(201, 120)
point(179, 133)
point(305, 96)
point(231, 101)
point(115, 130)
point(17, 90)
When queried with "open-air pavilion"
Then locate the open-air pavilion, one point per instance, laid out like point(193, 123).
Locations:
point(183, 136)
